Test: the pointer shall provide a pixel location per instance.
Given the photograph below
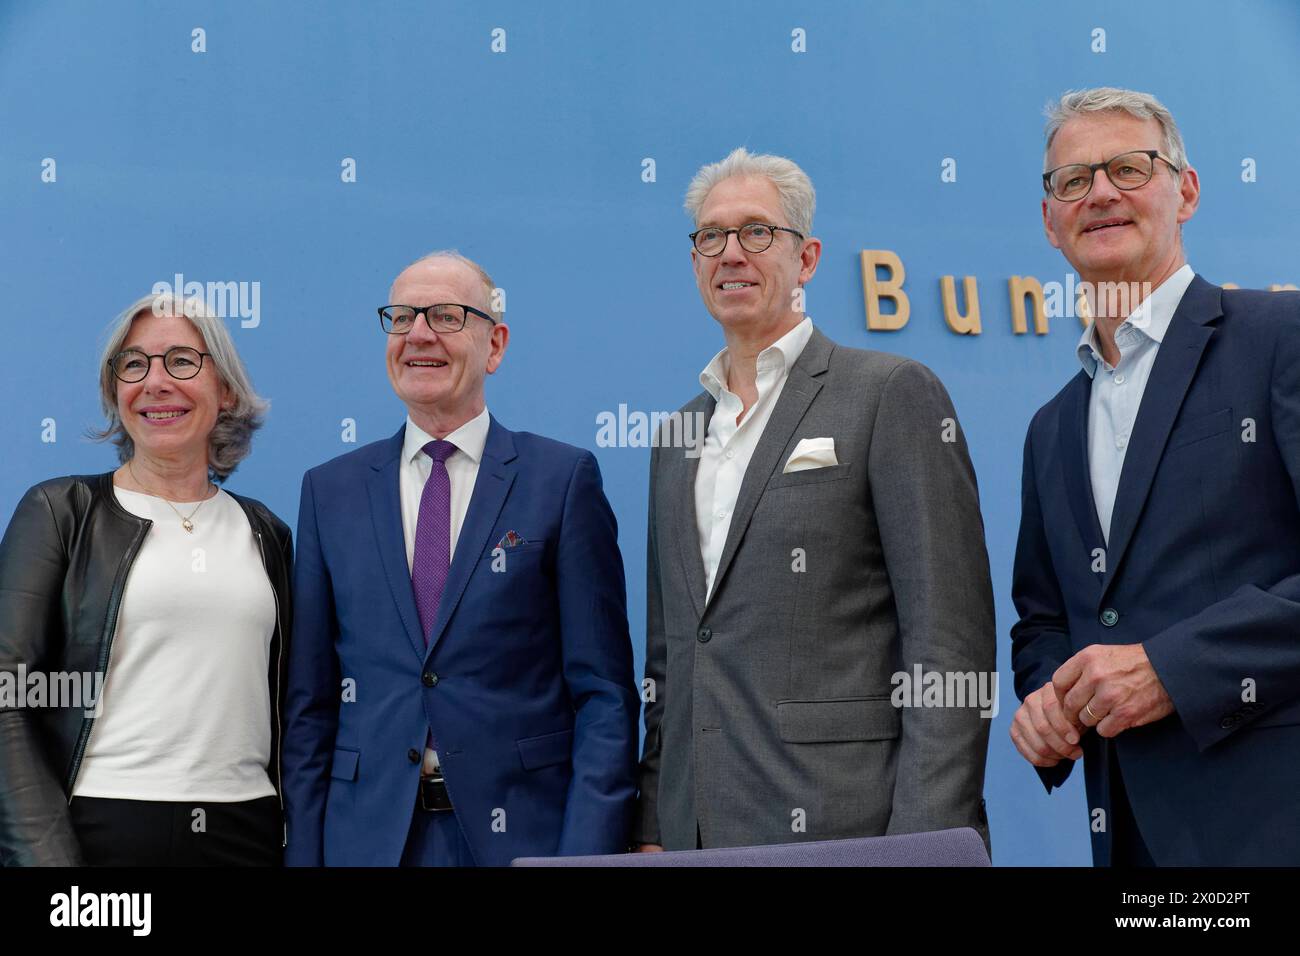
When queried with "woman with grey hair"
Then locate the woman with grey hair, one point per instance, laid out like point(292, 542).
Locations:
point(166, 600)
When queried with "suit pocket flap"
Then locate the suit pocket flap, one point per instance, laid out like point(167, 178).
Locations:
point(545, 750)
point(812, 476)
point(1216, 423)
point(848, 718)
point(345, 764)
point(523, 548)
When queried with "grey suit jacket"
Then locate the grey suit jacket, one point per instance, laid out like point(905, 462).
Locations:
point(771, 719)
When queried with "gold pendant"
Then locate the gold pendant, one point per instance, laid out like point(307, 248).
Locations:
point(188, 525)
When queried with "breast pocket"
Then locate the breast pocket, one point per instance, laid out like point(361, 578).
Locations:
point(1200, 429)
point(523, 548)
point(511, 590)
point(501, 561)
point(812, 476)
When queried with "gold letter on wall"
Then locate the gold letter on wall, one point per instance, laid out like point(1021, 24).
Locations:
point(1033, 289)
point(873, 290)
point(968, 324)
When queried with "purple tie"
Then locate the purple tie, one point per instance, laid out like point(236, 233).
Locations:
point(433, 537)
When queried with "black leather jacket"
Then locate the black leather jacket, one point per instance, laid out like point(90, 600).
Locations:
point(63, 567)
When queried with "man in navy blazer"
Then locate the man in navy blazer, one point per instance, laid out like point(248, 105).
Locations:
point(1157, 573)
point(460, 684)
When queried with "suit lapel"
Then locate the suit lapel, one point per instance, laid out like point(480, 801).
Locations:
point(496, 474)
point(1074, 460)
point(1175, 366)
point(386, 514)
point(801, 387)
point(680, 474)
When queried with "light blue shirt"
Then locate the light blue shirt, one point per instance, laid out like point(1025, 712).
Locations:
point(1117, 390)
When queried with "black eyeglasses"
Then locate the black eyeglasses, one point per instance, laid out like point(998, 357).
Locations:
point(753, 236)
point(444, 317)
point(180, 361)
point(1131, 170)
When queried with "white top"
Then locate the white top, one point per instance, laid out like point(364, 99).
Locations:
point(1117, 390)
point(728, 446)
point(186, 709)
point(462, 470)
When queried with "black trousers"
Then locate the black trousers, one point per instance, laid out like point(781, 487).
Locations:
point(158, 833)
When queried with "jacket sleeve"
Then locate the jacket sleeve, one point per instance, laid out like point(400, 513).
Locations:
point(312, 708)
point(927, 507)
point(1040, 639)
point(597, 662)
point(35, 825)
point(646, 828)
point(284, 600)
point(1252, 633)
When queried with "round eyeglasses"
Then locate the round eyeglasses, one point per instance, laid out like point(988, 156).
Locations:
point(445, 317)
point(1131, 170)
point(180, 361)
point(753, 237)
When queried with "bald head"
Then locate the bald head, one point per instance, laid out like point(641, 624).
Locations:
point(446, 262)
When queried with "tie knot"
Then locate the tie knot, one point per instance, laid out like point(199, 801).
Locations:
point(439, 450)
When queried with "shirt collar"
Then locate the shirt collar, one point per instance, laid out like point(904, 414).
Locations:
point(780, 355)
point(1151, 317)
point(470, 438)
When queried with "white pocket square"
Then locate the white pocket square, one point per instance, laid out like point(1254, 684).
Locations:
point(811, 453)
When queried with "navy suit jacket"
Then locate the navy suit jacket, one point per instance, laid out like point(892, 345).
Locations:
point(1202, 568)
point(526, 677)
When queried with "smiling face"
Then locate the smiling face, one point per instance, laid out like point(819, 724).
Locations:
point(166, 417)
point(751, 293)
point(1114, 235)
point(439, 376)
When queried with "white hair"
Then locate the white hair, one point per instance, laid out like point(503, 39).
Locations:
point(798, 198)
point(1110, 99)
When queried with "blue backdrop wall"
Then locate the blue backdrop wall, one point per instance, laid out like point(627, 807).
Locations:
point(128, 156)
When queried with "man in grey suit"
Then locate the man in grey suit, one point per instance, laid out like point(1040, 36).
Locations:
point(823, 549)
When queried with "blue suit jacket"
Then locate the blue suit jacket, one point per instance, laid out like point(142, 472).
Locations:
point(1203, 568)
point(526, 679)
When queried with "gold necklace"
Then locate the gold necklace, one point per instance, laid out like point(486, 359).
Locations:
point(186, 523)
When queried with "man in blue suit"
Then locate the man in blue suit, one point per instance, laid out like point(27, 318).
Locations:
point(1157, 573)
point(460, 684)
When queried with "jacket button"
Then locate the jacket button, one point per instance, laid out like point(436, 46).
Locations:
point(413, 755)
point(430, 680)
point(1110, 617)
point(704, 635)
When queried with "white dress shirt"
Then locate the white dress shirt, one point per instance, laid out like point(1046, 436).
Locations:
point(462, 469)
point(728, 446)
point(1117, 390)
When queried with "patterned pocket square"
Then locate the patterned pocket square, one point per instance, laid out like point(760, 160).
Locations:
point(512, 539)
